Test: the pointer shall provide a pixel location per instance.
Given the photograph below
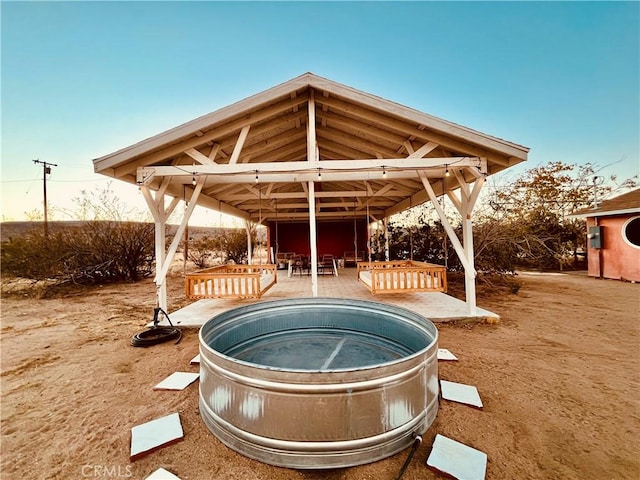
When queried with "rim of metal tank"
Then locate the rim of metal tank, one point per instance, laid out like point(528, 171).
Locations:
point(400, 313)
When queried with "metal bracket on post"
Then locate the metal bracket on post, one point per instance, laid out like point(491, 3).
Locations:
point(144, 175)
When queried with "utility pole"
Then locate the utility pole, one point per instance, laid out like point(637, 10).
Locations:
point(597, 180)
point(46, 170)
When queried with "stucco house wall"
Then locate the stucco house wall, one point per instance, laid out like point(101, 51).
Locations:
point(617, 259)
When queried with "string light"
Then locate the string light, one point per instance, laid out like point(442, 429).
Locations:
point(384, 172)
point(319, 174)
point(193, 180)
point(446, 170)
point(257, 179)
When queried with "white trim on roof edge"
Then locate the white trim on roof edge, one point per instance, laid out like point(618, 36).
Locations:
point(606, 213)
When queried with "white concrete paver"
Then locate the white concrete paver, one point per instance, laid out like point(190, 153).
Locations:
point(446, 355)
point(177, 381)
point(162, 474)
point(457, 459)
point(157, 433)
point(461, 393)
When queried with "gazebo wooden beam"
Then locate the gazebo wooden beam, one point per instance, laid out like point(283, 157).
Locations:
point(364, 166)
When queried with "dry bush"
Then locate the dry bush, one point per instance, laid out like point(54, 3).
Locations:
point(95, 252)
point(201, 250)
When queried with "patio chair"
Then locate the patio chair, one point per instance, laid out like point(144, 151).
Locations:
point(300, 263)
point(327, 264)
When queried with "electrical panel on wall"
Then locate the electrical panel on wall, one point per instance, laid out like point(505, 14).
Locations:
point(595, 237)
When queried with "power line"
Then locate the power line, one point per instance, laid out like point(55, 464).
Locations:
point(20, 181)
point(80, 181)
point(55, 181)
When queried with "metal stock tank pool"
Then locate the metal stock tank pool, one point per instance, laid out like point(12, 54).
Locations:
point(316, 383)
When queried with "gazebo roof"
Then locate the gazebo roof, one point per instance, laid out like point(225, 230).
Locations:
point(255, 157)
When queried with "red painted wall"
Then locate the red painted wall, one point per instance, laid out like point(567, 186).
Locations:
point(617, 259)
point(333, 237)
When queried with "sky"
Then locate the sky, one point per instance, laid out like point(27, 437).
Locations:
point(80, 80)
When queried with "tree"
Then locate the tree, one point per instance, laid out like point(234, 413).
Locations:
point(525, 223)
point(535, 209)
point(104, 204)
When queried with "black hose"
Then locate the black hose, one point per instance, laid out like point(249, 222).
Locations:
point(416, 443)
point(157, 334)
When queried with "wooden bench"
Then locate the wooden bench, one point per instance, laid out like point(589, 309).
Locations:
point(402, 276)
point(352, 257)
point(230, 281)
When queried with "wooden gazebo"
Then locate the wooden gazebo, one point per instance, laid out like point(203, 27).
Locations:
point(321, 151)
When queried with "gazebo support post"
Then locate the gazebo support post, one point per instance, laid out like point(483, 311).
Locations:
point(465, 254)
point(160, 241)
point(312, 157)
point(156, 207)
point(465, 207)
point(247, 227)
point(313, 240)
point(160, 215)
point(467, 241)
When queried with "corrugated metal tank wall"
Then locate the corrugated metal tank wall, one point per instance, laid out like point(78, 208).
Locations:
point(316, 383)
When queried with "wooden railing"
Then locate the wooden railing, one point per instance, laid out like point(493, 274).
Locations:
point(401, 276)
point(230, 281)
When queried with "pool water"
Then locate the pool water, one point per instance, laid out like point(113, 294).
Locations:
point(318, 349)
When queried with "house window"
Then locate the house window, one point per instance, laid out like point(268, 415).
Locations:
point(631, 232)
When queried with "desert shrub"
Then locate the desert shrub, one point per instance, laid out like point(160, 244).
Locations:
point(34, 255)
point(116, 250)
point(202, 249)
point(233, 242)
point(495, 251)
point(417, 241)
point(95, 252)
point(228, 243)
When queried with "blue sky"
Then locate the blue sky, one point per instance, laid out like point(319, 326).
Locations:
point(83, 79)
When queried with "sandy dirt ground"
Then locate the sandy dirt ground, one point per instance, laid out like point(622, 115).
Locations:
point(559, 377)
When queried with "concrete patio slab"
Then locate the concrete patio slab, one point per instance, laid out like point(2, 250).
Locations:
point(436, 306)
